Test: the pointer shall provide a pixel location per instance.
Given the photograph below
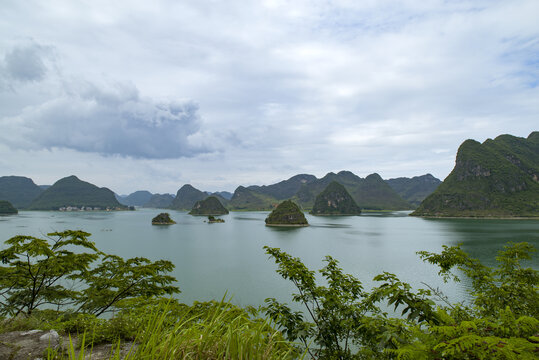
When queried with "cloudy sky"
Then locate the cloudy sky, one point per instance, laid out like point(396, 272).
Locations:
point(155, 94)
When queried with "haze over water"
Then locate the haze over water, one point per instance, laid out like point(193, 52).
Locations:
point(212, 259)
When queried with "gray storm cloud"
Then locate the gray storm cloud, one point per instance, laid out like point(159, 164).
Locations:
point(26, 63)
point(109, 119)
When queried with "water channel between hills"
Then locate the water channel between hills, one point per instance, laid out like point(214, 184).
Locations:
point(212, 259)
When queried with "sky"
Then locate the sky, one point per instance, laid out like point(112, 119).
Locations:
point(152, 95)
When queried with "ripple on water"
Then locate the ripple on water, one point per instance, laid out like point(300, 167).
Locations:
point(360, 232)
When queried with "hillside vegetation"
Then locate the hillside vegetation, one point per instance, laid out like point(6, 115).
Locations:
point(499, 177)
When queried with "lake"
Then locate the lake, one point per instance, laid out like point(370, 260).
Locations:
point(212, 259)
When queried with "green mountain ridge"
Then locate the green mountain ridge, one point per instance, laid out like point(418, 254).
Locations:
point(284, 189)
point(20, 191)
point(71, 191)
point(499, 177)
point(371, 193)
point(335, 200)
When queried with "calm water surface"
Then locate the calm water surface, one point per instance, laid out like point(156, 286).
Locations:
point(212, 259)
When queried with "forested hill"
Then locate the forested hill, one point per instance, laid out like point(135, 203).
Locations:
point(71, 191)
point(499, 177)
point(20, 191)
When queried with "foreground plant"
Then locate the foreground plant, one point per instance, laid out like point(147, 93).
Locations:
point(345, 322)
point(36, 272)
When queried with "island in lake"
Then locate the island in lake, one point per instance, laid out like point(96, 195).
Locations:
point(287, 213)
point(163, 219)
point(212, 219)
point(335, 200)
point(209, 206)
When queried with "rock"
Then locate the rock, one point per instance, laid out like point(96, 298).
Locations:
point(27, 345)
point(33, 344)
point(50, 337)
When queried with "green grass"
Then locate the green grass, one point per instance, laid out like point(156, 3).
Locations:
point(165, 329)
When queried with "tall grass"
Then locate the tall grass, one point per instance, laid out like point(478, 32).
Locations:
point(222, 332)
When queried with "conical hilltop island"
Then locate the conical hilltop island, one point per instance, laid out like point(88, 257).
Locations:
point(286, 214)
point(209, 206)
point(335, 200)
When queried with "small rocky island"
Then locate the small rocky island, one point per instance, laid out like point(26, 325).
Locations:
point(209, 206)
point(212, 219)
point(163, 219)
point(335, 200)
point(6, 208)
point(286, 214)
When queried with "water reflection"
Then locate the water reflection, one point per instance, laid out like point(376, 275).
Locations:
point(330, 225)
point(247, 218)
point(484, 238)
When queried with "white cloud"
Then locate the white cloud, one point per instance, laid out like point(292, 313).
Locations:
point(283, 87)
point(104, 118)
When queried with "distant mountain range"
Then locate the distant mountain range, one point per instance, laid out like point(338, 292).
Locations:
point(499, 177)
point(369, 193)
